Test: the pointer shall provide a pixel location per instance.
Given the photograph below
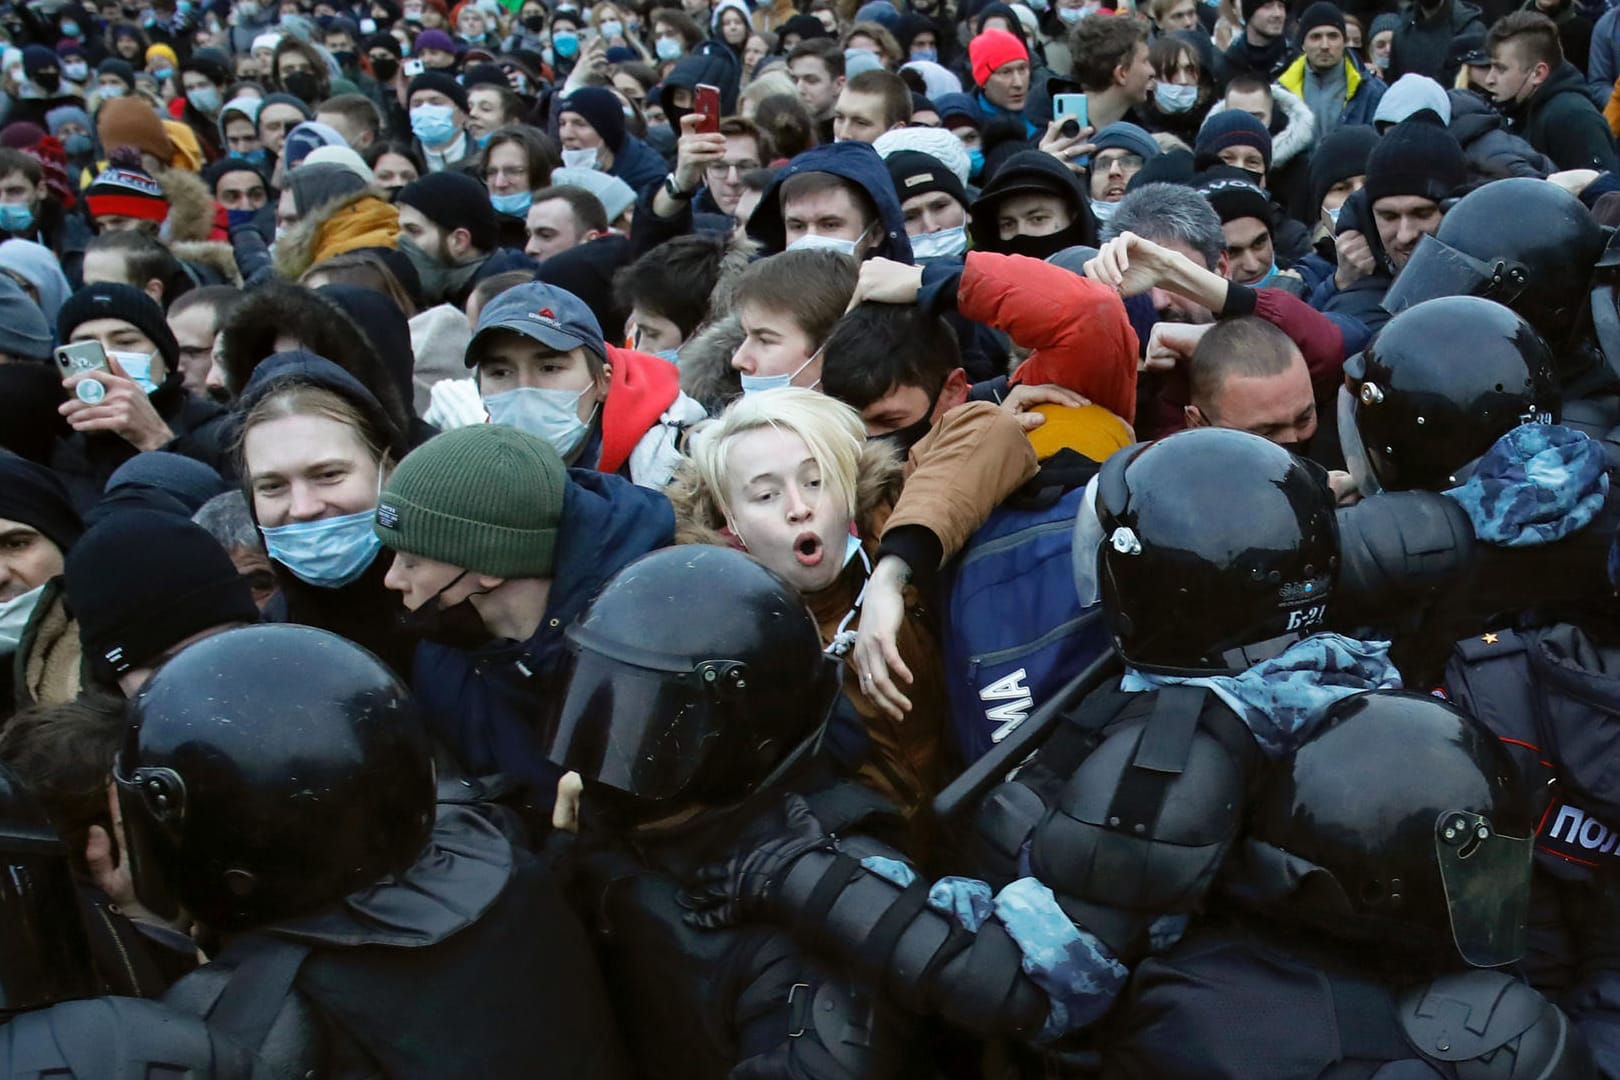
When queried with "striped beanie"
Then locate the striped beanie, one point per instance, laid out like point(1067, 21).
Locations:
point(126, 193)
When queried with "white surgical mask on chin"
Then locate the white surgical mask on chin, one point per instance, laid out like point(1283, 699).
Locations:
point(584, 158)
point(14, 616)
point(753, 384)
point(1103, 211)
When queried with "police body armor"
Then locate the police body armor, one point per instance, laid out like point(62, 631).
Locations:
point(1247, 1002)
point(695, 1002)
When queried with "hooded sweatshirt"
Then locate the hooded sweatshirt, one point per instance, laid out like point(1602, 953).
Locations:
point(859, 164)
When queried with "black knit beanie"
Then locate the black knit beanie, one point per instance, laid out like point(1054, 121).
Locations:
point(454, 200)
point(1341, 154)
point(601, 109)
point(1321, 13)
point(33, 495)
point(142, 581)
point(110, 300)
point(1415, 157)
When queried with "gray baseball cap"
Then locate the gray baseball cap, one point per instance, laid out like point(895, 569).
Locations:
point(554, 317)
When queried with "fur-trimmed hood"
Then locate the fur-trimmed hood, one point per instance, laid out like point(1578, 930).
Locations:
point(705, 357)
point(699, 520)
point(298, 250)
point(278, 309)
point(215, 255)
point(192, 210)
point(1297, 134)
point(705, 362)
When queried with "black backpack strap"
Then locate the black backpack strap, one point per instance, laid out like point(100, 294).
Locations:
point(263, 970)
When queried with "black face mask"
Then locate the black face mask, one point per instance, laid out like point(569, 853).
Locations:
point(458, 626)
point(346, 60)
point(384, 67)
point(534, 23)
point(303, 86)
point(48, 81)
point(1042, 247)
point(903, 439)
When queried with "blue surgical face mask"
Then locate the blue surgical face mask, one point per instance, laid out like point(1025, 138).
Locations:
point(513, 205)
point(114, 90)
point(1173, 97)
point(204, 99)
point(565, 44)
point(1070, 16)
point(612, 28)
point(138, 366)
point(941, 244)
point(1267, 280)
point(552, 415)
point(163, 73)
point(672, 355)
point(434, 125)
point(930, 55)
point(1333, 215)
point(258, 157)
point(1103, 211)
point(668, 48)
point(329, 553)
point(753, 384)
point(70, 29)
point(976, 160)
point(16, 217)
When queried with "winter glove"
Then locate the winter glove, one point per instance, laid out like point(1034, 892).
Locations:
point(735, 891)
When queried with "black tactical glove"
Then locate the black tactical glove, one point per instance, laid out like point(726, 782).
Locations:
point(728, 893)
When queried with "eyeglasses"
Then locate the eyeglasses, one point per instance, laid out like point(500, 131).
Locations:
point(721, 169)
point(1126, 162)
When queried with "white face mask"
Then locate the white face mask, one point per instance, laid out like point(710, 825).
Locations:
point(1103, 211)
point(580, 159)
point(552, 415)
point(14, 616)
point(1173, 97)
point(810, 241)
point(753, 384)
point(942, 244)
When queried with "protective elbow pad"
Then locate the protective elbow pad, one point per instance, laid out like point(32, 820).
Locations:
point(1397, 547)
point(1146, 819)
point(1490, 1026)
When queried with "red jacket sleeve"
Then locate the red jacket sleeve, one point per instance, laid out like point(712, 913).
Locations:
point(1078, 329)
point(1318, 337)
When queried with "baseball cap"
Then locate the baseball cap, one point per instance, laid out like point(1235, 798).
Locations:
point(554, 317)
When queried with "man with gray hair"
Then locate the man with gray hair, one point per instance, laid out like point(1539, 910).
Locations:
point(1165, 243)
point(225, 517)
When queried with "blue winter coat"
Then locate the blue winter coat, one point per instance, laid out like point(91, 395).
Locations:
point(485, 704)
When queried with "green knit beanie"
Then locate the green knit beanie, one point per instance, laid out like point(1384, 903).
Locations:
point(486, 498)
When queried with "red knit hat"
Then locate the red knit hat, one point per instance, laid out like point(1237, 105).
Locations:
point(991, 50)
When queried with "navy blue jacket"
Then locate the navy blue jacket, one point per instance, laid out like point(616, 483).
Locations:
point(638, 164)
point(485, 704)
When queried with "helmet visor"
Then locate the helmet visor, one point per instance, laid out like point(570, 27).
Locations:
point(1436, 269)
point(641, 731)
point(1487, 883)
point(1356, 461)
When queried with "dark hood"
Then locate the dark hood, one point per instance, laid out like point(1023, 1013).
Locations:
point(380, 319)
point(307, 367)
point(1567, 79)
point(1471, 117)
point(587, 272)
point(1031, 171)
point(712, 63)
point(854, 161)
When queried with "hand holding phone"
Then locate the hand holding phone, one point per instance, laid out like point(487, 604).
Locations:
point(412, 68)
point(1065, 106)
point(81, 358)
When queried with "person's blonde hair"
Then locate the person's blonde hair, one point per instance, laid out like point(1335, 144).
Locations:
point(832, 432)
point(301, 398)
